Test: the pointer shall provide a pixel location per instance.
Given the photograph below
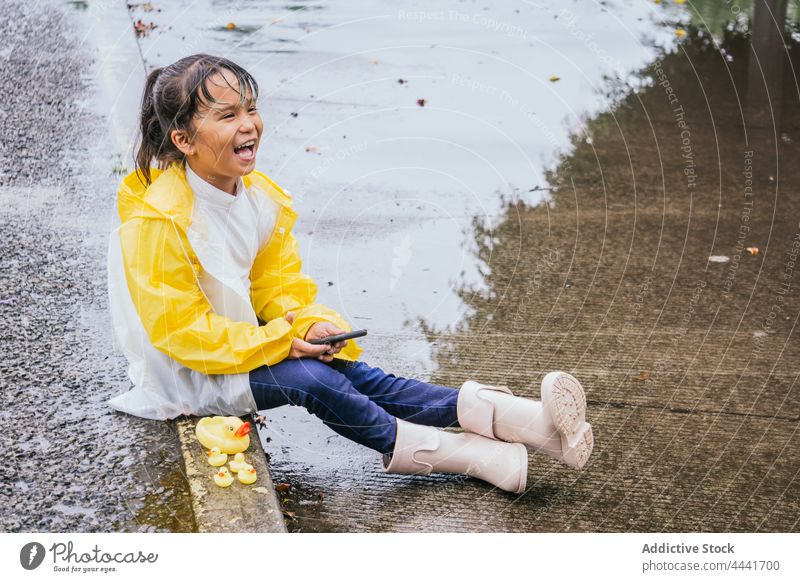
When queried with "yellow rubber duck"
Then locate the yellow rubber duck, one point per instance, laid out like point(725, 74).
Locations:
point(238, 463)
point(223, 477)
point(217, 458)
point(228, 433)
point(247, 476)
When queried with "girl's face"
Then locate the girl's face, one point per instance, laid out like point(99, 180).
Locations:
point(226, 135)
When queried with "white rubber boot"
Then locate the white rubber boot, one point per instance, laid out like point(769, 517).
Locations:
point(555, 426)
point(422, 450)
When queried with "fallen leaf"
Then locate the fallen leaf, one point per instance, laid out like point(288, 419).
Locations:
point(554, 78)
point(644, 375)
point(283, 487)
point(680, 33)
point(290, 514)
point(421, 102)
point(142, 29)
point(230, 25)
point(752, 250)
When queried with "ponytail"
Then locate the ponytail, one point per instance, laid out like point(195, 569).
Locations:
point(171, 98)
point(152, 135)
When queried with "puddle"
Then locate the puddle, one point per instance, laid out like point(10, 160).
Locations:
point(164, 509)
point(613, 273)
point(389, 188)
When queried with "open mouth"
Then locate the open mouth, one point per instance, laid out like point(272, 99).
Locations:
point(247, 151)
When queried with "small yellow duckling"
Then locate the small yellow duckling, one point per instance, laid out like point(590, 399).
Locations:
point(239, 464)
point(217, 458)
point(223, 477)
point(247, 476)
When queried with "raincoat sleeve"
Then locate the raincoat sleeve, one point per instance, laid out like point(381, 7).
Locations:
point(177, 316)
point(278, 286)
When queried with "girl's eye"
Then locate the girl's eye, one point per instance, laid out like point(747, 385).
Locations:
point(228, 116)
point(252, 109)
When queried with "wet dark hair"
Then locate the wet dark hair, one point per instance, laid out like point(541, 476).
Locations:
point(172, 97)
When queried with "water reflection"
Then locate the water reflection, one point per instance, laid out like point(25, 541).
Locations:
point(766, 64)
point(611, 279)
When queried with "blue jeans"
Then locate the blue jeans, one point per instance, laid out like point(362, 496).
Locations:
point(357, 401)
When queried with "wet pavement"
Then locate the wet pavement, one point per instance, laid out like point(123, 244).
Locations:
point(577, 191)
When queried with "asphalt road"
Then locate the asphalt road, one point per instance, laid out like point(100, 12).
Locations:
point(71, 462)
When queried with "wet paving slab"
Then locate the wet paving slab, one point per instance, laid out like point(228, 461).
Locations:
point(644, 476)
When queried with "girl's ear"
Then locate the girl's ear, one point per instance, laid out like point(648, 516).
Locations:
point(181, 140)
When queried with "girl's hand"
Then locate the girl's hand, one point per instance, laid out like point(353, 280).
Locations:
point(320, 329)
point(302, 349)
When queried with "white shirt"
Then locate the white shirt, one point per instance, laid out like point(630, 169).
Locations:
point(234, 228)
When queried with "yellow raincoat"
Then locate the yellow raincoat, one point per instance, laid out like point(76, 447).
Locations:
point(190, 336)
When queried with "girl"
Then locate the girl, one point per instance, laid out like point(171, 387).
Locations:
point(214, 315)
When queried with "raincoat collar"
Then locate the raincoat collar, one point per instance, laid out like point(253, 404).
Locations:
point(170, 196)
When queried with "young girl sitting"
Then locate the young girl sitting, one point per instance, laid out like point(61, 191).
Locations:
point(214, 315)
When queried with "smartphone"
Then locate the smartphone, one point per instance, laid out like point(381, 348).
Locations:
point(332, 339)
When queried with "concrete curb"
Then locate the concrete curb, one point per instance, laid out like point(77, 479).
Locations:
point(238, 508)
